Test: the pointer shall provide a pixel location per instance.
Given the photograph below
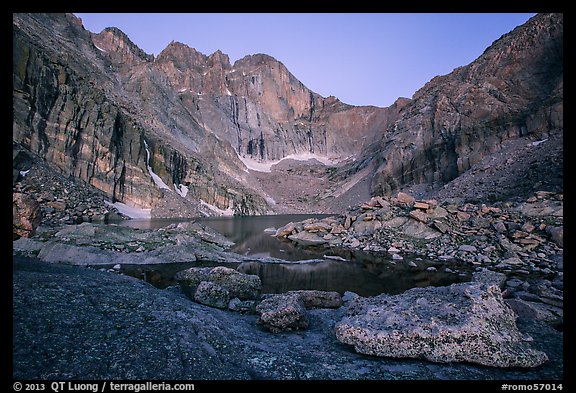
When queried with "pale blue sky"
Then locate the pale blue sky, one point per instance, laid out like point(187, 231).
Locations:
point(363, 59)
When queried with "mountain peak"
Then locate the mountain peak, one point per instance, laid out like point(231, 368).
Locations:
point(219, 58)
point(255, 59)
point(182, 54)
point(119, 46)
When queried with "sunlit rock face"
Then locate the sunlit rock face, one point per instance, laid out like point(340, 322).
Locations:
point(105, 112)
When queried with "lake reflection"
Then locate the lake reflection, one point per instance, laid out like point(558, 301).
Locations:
point(364, 278)
point(367, 274)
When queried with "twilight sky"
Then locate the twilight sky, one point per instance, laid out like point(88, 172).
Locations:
point(363, 59)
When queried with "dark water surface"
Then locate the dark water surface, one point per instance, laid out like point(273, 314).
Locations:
point(367, 274)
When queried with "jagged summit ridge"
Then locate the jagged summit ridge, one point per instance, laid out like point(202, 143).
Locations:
point(96, 106)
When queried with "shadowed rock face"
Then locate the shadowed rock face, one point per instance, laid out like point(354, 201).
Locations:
point(103, 111)
point(515, 88)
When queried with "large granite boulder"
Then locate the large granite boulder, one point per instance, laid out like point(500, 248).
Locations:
point(282, 312)
point(230, 284)
point(466, 322)
point(212, 294)
point(287, 311)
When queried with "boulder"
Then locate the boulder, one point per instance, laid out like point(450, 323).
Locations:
point(419, 230)
point(366, 227)
point(421, 205)
point(287, 311)
point(536, 310)
point(318, 299)
point(240, 285)
point(419, 215)
point(285, 230)
point(489, 277)
point(318, 226)
point(442, 227)
point(557, 235)
point(26, 215)
point(467, 248)
point(307, 239)
point(405, 199)
point(437, 212)
point(212, 294)
point(282, 312)
point(466, 322)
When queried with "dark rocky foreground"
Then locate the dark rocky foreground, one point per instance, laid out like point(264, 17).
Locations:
point(78, 323)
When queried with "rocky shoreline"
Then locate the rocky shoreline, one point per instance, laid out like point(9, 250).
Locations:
point(71, 322)
point(521, 239)
point(496, 320)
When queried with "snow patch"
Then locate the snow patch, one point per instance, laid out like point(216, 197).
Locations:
point(132, 212)
point(259, 166)
point(215, 209)
point(539, 142)
point(181, 189)
point(100, 49)
point(157, 180)
point(335, 258)
point(256, 165)
point(228, 92)
point(24, 173)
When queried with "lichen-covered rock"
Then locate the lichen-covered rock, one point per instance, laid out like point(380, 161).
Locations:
point(240, 285)
point(212, 294)
point(282, 312)
point(287, 311)
point(318, 299)
point(466, 322)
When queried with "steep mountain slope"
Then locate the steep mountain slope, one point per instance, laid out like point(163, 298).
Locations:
point(172, 129)
point(513, 90)
point(190, 134)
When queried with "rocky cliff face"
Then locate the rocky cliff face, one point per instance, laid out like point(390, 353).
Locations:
point(147, 130)
point(261, 109)
point(175, 133)
point(80, 104)
point(514, 89)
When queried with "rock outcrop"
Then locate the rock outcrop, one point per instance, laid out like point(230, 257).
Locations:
point(467, 322)
point(131, 330)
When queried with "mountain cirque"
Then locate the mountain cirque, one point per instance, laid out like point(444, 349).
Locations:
point(100, 126)
point(183, 132)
